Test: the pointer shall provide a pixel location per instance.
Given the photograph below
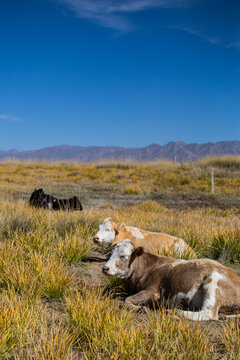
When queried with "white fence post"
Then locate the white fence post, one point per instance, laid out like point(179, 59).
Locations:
point(212, 178)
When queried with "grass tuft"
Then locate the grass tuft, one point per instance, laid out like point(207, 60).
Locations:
point(230, 339)
point(73, 249)
point(225, 246)
point(132, 190)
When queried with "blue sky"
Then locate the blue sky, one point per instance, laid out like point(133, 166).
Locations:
point(125, 73)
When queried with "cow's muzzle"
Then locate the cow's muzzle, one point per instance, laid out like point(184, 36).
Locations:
point(96, 239)
point(105, 269)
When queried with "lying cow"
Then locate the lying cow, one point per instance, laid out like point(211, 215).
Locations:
point(39, 199)
point(201, 286)
point(111, 233)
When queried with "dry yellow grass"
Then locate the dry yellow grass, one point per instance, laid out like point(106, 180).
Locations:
point(147, 177)
point(49, 312)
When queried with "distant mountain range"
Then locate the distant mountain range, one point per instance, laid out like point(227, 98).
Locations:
point(179, 150)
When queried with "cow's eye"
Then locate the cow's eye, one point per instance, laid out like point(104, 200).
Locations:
point(123, 257)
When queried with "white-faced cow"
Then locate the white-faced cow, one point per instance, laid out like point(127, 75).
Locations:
point(199, 288)
point(111, 233)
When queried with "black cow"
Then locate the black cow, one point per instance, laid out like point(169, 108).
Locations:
point(39, 199)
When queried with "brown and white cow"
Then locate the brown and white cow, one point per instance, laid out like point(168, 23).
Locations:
point(111, 233)
point(200, 287)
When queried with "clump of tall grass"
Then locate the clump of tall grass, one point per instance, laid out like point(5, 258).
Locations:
point(54, 278)
point(132, 190)
point(20, 321)
point(14, 219)
point(124, 165)
point(56, 344)
point(29, 331)
point(186, 254)
point(230, 339)
point(98, 323)
point(41, 241)
point(16, 271)
point(226, 246)
point(107, 206)
point(64, 223)
point(73, 248)
point(223, 162)
point(32, 274)
point(104, 331)
point(177, 339)
point(166, 165)
point(149, 206)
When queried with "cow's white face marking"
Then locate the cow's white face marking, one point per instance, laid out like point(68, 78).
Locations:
point(106, 233)
point(117, 265)
point(135, 232)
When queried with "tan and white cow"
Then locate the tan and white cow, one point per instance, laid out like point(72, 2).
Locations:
point(111, 233)
point(200, 287)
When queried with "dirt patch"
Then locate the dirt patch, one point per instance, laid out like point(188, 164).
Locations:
point(110, 195)
point(91, 273)
point(182, 201)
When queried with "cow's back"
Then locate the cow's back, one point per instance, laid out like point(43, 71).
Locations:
point(153, 242)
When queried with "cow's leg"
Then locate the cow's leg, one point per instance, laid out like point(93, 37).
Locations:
point(195, 315)
point(211, 301)
point(142, 298)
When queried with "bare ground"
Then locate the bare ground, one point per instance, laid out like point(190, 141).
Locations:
point(102, 195)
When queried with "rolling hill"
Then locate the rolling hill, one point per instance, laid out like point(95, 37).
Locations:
point(179, 150)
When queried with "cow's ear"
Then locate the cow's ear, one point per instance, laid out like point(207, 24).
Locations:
point(139, 251)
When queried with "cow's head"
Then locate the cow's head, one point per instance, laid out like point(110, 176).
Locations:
point(106, 232)
point(37, 197)
point(119, 264)
point(38, 192)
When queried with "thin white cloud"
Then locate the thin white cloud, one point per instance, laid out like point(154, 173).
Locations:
point(235, 45)
point(195, 32)
point(9, 117)
point(110, 13)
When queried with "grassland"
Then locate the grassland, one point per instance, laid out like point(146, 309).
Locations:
point(55, 305)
